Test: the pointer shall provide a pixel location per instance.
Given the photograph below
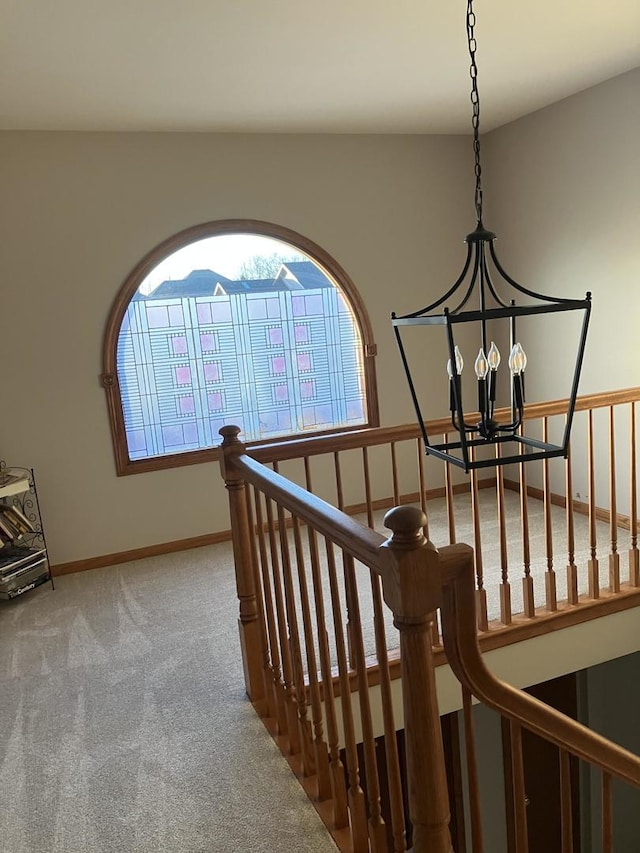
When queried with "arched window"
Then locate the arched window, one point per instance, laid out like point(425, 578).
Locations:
point(237, 322)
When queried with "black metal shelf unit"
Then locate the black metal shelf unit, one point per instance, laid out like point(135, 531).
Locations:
point(24, 563)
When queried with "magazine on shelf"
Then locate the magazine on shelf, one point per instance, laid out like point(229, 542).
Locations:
point(13, 557)
point(26, 581)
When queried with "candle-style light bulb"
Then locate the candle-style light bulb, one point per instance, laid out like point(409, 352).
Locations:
point(493, 356)
point(517, 360)
point(459, 363)
point(481, 366)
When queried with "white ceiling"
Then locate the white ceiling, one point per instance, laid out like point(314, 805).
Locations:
point(355, 66)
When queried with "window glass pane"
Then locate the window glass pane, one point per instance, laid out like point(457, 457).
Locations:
point(288, 350)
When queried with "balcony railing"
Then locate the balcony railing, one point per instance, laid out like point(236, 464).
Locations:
point(321, 650)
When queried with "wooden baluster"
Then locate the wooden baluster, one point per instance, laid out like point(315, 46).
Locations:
point(634, 554)
point(566, 805)
point(248, 623)
point(527, 581)
point(258, 554)
point(423, 484)
point(306, 738)
point(607, 814)
point(394, 778)
point(475, 813)
point(338, 788)
point(593, 569)
point(290, 702)
point(357, 805)
point(367, 487)
point(377, 829)
point(435, 631)
point(338, 473)
point(572, 569)
point(505, 586)
point(276, 666)
point(394, 474)
point(391, 748)
point(320, 751)
point(340, 504)
point(481, 593)
point(412, 589)
point(550, 575)
point(448, 489)
point(519, 793)
point(614, 557)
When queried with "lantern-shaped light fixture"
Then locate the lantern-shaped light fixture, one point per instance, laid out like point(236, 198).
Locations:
point(485, 297)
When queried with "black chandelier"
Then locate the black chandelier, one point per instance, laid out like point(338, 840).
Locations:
point(484, 297)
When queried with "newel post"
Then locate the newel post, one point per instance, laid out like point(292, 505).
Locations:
point(248, 623)
point(412, 589)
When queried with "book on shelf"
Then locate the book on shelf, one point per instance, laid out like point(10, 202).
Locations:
point(13, 483)
point(8, 532)
point(17, 518)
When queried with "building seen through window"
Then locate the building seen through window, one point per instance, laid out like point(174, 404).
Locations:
point(274, 348)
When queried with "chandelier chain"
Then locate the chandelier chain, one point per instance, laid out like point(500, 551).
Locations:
point(475, 102)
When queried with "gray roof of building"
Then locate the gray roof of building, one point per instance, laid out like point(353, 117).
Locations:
point(306, 276)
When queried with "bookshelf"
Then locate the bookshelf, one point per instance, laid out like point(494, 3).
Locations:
point(24, 564)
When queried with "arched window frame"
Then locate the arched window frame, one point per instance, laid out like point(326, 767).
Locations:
point(109, 377)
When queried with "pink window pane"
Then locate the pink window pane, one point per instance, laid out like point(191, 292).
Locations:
point(307, 390)
point(203, 310)
point(187, 405)
point(301, 334)
point(214, 401)
point(179, 345)
point(298, 306)
point(304, 361)
point(208, 342)
point(183, 375)
point(212, 372)
point(157, 316)
point(278, 364)
point(281, 393)
point(275, 336)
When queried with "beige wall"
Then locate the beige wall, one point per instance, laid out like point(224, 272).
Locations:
point(79, 210)
point(563, 194)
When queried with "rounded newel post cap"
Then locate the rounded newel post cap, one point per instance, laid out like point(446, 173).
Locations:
point(405, 522)
point(230, 433)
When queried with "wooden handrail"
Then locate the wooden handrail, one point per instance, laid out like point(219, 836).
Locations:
point(357, 439)
point(463, 653)
point(347, 533)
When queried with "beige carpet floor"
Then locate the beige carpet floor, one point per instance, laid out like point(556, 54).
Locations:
point(125, 727)
point(124, 724)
